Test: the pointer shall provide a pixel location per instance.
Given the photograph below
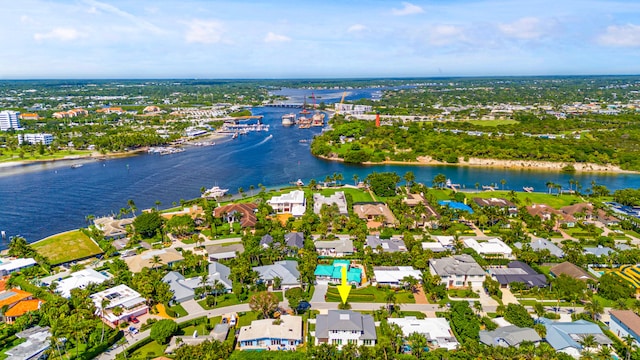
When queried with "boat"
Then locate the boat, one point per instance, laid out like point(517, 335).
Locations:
point(304, 123)
point(215, 192)
point(75, 166)
point(317, 119)
point(299, 182)
point(528, 188)
point(235, 135)
point(288, 119)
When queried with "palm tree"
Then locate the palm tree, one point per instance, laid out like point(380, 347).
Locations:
point(604, 353)
point(629, 344)
point(550, 185)
point(355, 179)
point(103, 305)
point(588, 342)
point(204, 282)
point(158, 203)
point(391, 300)
point(218, 287)
point(132, 206)
point(595, 308)
point(155, 261)
point(502, 182)
point(418, 343)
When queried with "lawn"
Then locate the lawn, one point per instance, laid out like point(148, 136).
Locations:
point(202, 329)
point(554, 201)
point(179, 310)
point(148, 351)
point(356, 194)
point(369, 294)
point(231, 299)
point(8, 155)
point(245, 319)
point(492, 123)
point(66, 247)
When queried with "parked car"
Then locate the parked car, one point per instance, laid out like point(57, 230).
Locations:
point(303, 306)
point(134, 320)
point(133, 329)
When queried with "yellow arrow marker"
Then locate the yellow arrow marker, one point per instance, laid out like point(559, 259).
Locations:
point(344, 288)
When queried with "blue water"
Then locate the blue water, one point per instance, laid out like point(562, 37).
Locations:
point(53, 197)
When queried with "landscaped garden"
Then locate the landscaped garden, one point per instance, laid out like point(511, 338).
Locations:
point(371, 294)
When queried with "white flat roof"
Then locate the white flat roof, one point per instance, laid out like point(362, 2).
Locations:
point(294, 197)
point(15, 264)
point(386, 274)
point(79, 279)
point(491, 246)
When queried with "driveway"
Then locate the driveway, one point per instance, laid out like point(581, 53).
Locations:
point(319, 293)
point(508, 297)
point(192, 307)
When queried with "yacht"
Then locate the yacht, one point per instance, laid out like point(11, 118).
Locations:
point(215, 192)
point(288, 119)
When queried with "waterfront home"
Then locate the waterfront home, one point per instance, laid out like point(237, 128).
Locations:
point(566, 336)
point(112, 228)
point(220, 252)
point(394, 275)
point(37, 341)
point(284, 333)
point(570, 270)
point(509, 336)
point(337, 198)
point(539, 244)
point(333, 273)
point(458, 271)
point(436, 330)
point(625, 323)
point(9, 266)
point(79, 280)
point(293, 203)
point(504, 205)
point(168, 256)
point(376, 214)
point(493, 247)
point(286, 270)
point(544, 212)
point(517, 271)
point(342, 327)
point(184, 289)
point(385, 245)
point(128, 301)
point(20, 308)
point(244, 213)
point(15, 297)
point(194, 212)
point(335, 248)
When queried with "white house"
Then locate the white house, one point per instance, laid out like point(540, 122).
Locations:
point(293, 203)
point(79, 280)
point(286, 270)
point(624, 323)
point(491, 247)
point(342, 327)
point(436, 330)
point(338, 198)
point(458, 271)
point(8, 266)
point(335, 248)
point(393, 275)
point(45, 139)
point(269, 334)
point(127, 300)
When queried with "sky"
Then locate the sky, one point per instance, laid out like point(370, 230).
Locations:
point(319, 39)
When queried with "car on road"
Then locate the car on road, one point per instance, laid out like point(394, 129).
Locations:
point(133, 330)
point(303, 306)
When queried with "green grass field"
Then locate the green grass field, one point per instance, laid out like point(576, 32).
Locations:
point(8, 155)
point(66, 247)
point(369, 294)
point(356, 194)
point(492, 123)
point(554, 201)
point(149, 351)
point(231, 299)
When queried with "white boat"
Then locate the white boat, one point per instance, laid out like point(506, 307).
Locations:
point(235, 135)
point(288, 119)
point(215, 192)
point(75, 166)
point(299, 182)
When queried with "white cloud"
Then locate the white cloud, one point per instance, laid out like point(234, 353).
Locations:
point(205, 32)
point(272, 37)
point(526, 28)
point(138, 21)
point(407, 9)
point(62, 34)
point(441, 35)
point(621, 36)
point(356, 28)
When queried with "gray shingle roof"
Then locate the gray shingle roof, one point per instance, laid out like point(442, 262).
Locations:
point(509, 336)
point(345, 320)
point(294, 239)
point(388, 245)
point(287, 270)
point(456, 265)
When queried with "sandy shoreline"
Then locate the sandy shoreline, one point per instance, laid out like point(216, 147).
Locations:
point(503, 164)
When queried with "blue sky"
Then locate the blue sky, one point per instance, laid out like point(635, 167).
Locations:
point(292, 39)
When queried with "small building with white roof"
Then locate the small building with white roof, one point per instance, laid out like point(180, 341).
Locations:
point(337, 198)
point(293, 203)
point(393, 275)
point(123, 297)
point(79, 280)
point(436, 330)
point(493, 247)
point(8, 266)
point(270, 334)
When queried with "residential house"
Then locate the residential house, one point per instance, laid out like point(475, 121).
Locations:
point(337, 198)
point(570, 270)
point(220, 252)
point(430, 213)
point(539, 244)
point(544, 212)
point(458, 271)
point(333, 273)
point(293, 241)
point(37, 341)
point(435, 247)
point(493, 247)
point(293, 203)
point(112, 228)
point(394, 275)
point(376, 214)
point(168, 256)
point(507, 336)
point(505, 205)
point(286, 270)
point(22, 307)
point(184, 289)
point(625, 323)
point(12, 298)
point(386, 245)
point(517, 271)
point(128, 301)
point(598, 251)
point(566, 336)
point(342, 327)
point(80, 280)
point(9, 266)
point(436, 330)
point(269, 334)
point(245, 213)
point(194, 212)
point(335, 248)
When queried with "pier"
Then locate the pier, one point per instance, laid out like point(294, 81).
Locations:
point(285, 105)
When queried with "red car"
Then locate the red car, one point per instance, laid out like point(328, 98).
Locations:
point(135, 320)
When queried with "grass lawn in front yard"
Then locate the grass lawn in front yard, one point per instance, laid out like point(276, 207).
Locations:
point(231, 299)
point(149, 351)
point(553, 200)
point(245, 319)
point(66, 247)
point(179, 310)
point(357, 194)
point(370, 294)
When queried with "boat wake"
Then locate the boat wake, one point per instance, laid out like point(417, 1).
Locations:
point(246, 148)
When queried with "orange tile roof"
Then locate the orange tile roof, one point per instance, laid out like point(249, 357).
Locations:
point(24, 307)
point(3, 284)
point(12, 299)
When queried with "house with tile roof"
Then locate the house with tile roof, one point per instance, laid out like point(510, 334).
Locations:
point(168, 257)
point(625, 323)
point(337, 198)
point(286, 270)
point(245, 213)
point(376, 214)
point(571, 270)
point(335, 248)
point(505, 205)
point(12, 297)
point(393, 244)
point(21, 308)
point(220, 252)
point(342, 327)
